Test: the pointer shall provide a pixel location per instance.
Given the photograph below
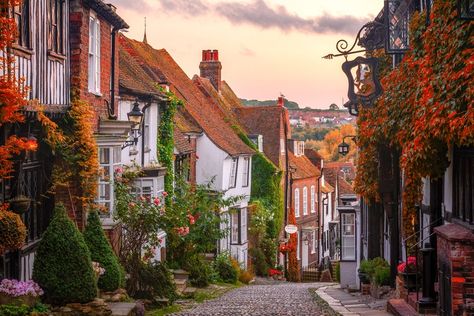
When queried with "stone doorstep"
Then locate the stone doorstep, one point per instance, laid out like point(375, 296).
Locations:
point(122, 309)
point(399, 307)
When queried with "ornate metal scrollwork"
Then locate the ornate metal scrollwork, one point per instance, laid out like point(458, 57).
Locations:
point(371, 36)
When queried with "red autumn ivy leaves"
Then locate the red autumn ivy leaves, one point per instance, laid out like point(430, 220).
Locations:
point(12, 92)
point(427, 106)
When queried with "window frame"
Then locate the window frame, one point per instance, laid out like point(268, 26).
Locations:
point(235, 219)
point(343, 238)
point(313, 199)
point(56, 25)
point(305, 201)
point(246, 172)
point(23, 25)
point(94, 55)
point(297, 202)
point(234, 166)
point(114, 162)
point(463, 180)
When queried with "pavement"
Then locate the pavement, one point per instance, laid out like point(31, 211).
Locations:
point(348, 304)
point(281, 298)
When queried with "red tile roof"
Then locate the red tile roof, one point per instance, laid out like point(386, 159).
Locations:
point(266, 121)
point(181, 143)
point(304, 167)
point(209, 117)
point(133, 79)
point(331, 174)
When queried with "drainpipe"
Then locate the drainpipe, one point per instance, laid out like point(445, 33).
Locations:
point(287, 166)
point(111, 109)
point(320, 201)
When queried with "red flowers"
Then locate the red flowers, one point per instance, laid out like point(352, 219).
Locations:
point(191, 218)
point(409, 266)
point(272, 272)
point(182, 231)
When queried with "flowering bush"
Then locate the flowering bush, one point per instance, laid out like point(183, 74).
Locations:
point(285, 248)
point(17, 288)
point(273, 272)
point(407, 267)
point(12, 230)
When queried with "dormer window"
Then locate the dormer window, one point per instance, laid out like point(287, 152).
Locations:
point(298, 147)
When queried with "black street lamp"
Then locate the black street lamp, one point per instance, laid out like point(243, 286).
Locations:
point(135, 116)
point(343, 148)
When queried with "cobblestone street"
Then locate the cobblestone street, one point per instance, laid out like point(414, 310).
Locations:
point(277, 299)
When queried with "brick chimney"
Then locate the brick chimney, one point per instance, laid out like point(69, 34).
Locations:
point(211, 67)
point(281, 101)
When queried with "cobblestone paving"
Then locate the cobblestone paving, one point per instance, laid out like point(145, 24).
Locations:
point(279, 299)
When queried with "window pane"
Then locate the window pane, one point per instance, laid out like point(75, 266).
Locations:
point(117, 155)
point(104, 156)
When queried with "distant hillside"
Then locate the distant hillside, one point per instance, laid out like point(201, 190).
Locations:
point(288, 104)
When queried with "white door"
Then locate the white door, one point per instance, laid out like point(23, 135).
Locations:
point(304, 254)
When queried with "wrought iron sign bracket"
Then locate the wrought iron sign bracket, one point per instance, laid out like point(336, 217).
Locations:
point(342, 45)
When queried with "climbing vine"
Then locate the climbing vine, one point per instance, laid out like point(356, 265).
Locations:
point(266, 191)
point(427, 106)
point(165, 141)
point(73, 144)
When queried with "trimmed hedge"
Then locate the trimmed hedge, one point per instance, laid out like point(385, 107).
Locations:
point(63, 266)
point(101, 252)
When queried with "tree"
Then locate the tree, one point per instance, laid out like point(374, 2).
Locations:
point(12, 92)
point(329, 145)
point(102, 252)
point(63, 266)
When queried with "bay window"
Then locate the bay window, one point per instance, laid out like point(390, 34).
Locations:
point(238, 224)
point(348, 238)
point(110, 162)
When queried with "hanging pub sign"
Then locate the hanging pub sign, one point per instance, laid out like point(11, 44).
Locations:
point(364, 84)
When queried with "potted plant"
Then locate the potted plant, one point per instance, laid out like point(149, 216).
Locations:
point(20, 204)
point(18, 292)
point(408, 272)
point(364, 271)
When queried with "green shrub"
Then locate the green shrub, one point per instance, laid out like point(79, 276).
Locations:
point(226, 270)
point(200, 271)
point(365, 266)
point(63, 266)
point(155, 280)
point(259, 261)
point(382, 275)
point(102, 252)
point(14, 310)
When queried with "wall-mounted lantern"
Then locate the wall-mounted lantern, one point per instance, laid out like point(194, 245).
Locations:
point(343, 148)
point(135, 117)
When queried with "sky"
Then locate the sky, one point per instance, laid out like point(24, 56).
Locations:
point(266, 47)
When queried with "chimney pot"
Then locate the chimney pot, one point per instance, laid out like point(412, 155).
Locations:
point(281, 101)
point(211, 67)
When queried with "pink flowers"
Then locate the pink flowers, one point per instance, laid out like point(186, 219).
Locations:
point(165, 194)
point(118, 170)
point(182, 231)
point(17, 288)
point(191, 218)
point(156, 201)
point(131, 204)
